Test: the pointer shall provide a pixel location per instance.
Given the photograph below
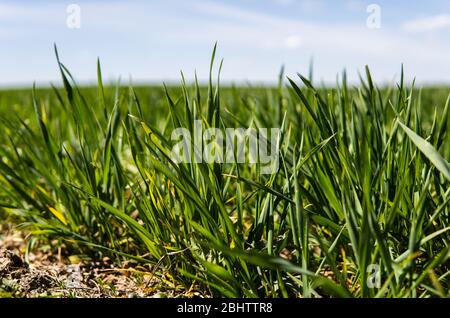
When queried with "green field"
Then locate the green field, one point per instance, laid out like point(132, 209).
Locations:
point(358, 207)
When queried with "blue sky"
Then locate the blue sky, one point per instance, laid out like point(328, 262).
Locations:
point(154, 40)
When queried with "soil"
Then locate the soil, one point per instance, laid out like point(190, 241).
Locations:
point(47, 273)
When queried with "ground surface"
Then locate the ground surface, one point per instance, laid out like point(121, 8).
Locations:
point(47, 273)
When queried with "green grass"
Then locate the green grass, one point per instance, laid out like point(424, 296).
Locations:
point(363, 179)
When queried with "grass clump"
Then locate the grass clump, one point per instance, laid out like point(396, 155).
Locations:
point(359, 205)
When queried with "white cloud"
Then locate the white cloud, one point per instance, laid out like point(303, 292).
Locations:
point(234, 25)
point(427, 24)
point(293, 41)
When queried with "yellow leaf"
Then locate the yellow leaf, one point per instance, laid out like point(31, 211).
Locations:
point(41, 189)
point(58, 215)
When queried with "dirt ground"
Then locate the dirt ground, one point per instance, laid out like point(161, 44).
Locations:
point(47, 273)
